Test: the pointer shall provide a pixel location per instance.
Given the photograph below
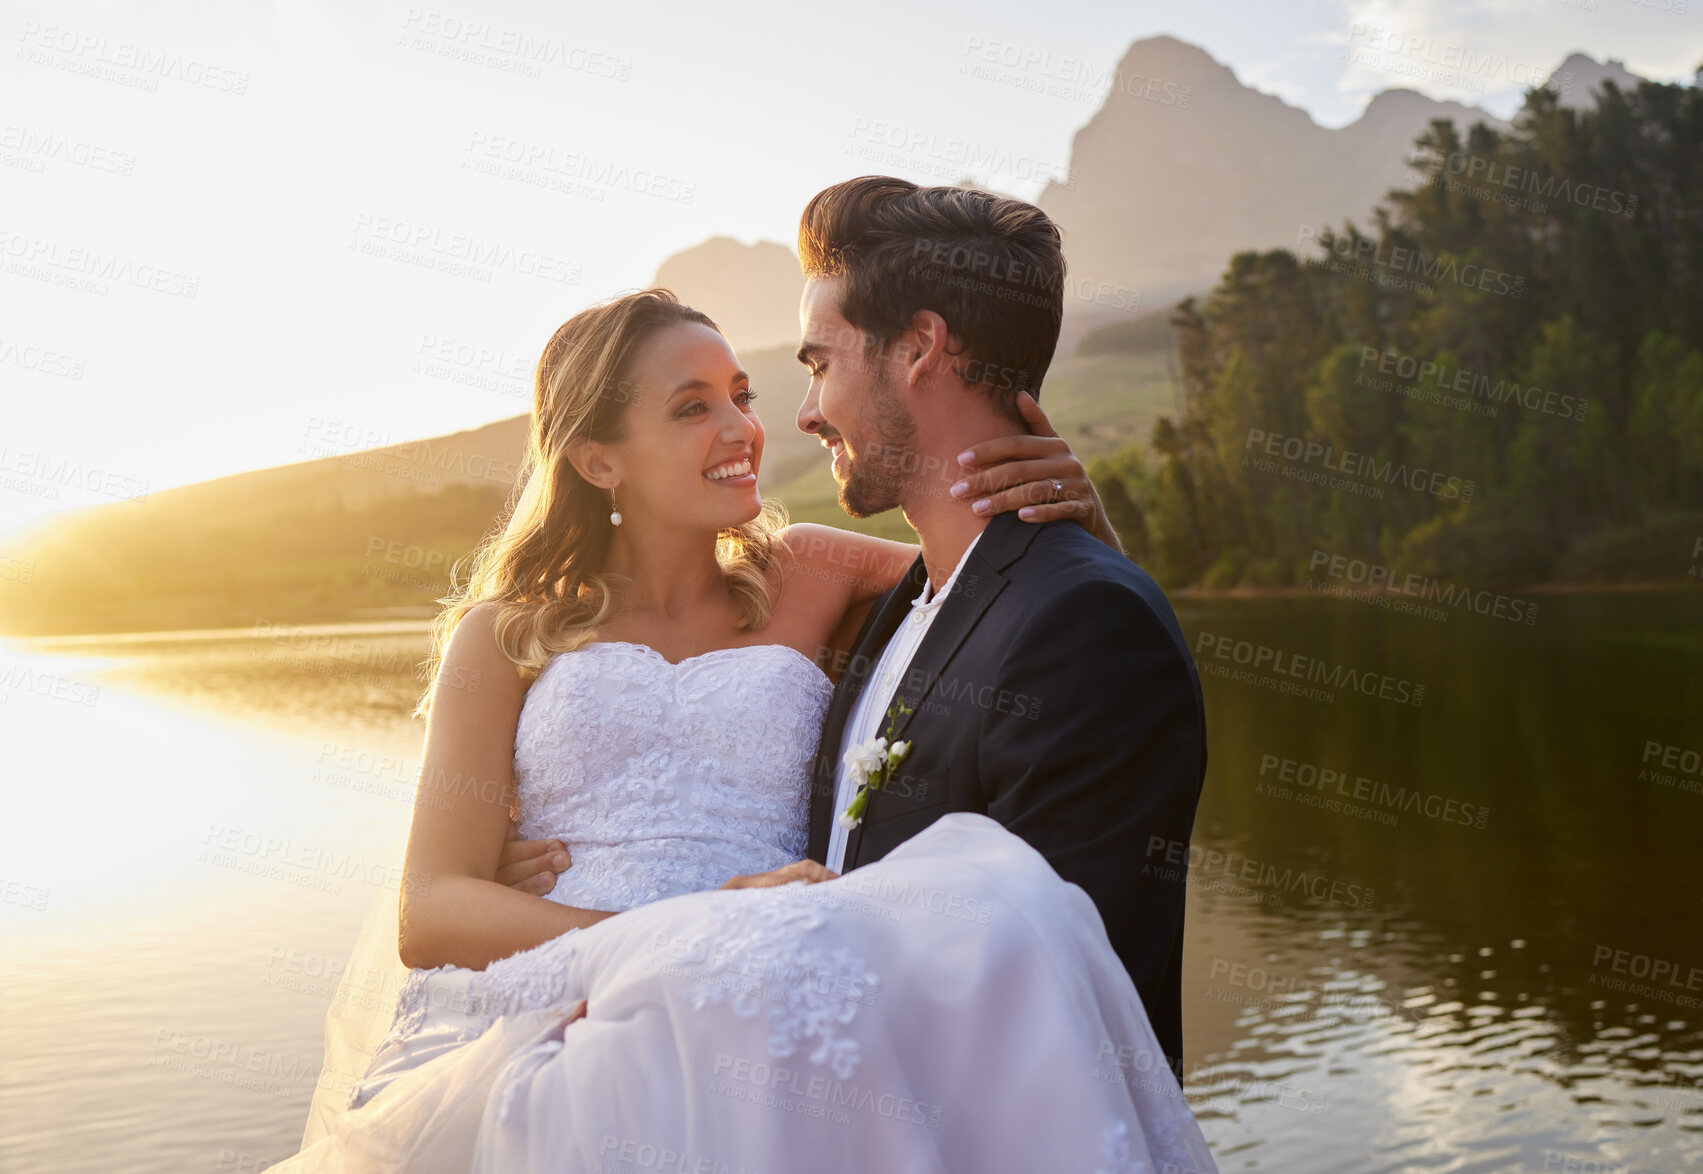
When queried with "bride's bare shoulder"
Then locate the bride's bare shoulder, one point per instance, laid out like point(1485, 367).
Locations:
point(475, 633)
point(474, 659)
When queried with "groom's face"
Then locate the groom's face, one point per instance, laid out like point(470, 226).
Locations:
point(855, 405)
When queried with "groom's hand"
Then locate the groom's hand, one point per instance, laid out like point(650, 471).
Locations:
point(531, 865)
point(804, 870)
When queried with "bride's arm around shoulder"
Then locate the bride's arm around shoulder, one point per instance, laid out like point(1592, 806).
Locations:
point(845, 566)
point(453, 910)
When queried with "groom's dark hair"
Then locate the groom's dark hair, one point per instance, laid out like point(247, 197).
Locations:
point(991, 266)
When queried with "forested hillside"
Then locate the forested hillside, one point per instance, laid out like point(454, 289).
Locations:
point(1500, 380)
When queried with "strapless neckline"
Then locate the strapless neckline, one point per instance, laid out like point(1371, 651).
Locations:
point(702, 655)
point(667, 777)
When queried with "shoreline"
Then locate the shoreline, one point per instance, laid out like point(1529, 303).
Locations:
point(346, 624)
point(1639, 587)
point(405, 620)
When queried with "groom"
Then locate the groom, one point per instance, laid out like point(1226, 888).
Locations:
point(1039, 677)
point(1045, 680)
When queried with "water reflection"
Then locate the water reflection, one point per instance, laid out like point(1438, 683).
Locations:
point(170, 876)
point(1482, 1010)
point(1420, 936)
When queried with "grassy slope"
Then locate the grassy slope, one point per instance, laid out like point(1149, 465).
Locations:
point(371, 534)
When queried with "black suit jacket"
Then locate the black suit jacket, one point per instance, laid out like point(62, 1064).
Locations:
point(1055, 693)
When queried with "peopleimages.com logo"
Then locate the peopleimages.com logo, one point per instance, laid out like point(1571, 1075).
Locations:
point(1360, 467)
point(1377, 580)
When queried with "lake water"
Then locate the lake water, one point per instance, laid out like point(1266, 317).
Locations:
point(1458, 935)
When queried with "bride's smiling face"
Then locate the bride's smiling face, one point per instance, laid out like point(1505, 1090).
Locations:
point(691, 442)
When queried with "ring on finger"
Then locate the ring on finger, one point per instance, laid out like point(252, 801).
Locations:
point(1058, 490)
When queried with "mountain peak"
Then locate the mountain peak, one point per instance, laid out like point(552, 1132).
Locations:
point(751, 291)
point(1405, 112)
point(1579, 79)
point(1162, 192)
point(1167, 61)
point(1396, 97)
point(1168, 48)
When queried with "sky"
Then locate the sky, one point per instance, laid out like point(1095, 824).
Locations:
point(241, 234)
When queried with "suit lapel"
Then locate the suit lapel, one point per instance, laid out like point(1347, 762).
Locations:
point(977, 586)
point(883, 619)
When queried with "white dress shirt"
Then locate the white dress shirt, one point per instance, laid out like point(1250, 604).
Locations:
point(868, 716)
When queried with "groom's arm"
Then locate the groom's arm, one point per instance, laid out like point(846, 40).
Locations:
point(1109, 766)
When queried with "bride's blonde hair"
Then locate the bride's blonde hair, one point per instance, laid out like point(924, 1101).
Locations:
point(544, 563)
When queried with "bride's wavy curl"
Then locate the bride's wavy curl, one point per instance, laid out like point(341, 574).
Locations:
point(543, 565)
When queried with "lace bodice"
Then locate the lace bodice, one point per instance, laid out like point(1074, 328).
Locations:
point(665, 778)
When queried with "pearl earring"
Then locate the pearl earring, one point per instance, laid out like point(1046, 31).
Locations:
point(614, 513)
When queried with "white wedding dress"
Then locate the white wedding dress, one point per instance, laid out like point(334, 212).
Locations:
point(955, 1006)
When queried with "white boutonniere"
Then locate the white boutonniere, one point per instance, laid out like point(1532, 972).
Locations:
point(870, 764)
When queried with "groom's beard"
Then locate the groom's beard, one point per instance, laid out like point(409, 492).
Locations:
point(875, 481)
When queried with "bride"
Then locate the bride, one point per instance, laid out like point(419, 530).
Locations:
point(634, 667)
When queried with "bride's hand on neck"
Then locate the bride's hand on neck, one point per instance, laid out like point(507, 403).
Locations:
point(1017, 473)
